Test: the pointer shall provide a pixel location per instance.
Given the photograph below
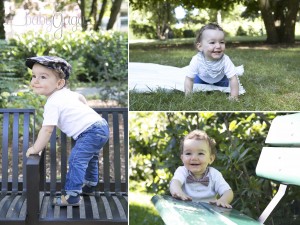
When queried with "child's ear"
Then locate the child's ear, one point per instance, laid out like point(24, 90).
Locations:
point(61, 83)
point(181, 156)
point(212, 159)
point(199, 46)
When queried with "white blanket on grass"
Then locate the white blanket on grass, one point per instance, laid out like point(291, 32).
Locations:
point(149, 77)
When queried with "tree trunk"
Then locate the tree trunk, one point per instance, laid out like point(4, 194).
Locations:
point(99, 21)
point(93, 12)
point(266, 13)
point(81, 4)
point(115, 9)
point(2, 20)
point(290, 21)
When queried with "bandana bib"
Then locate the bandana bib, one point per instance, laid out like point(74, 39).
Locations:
point(212, 68)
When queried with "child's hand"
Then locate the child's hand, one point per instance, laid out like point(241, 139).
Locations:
point(32, 151)
point(182, 196)
point(221, 203)
point(233, 98)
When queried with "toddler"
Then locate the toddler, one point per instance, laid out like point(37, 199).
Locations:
point(196, 180)
point(211, 65)
point(70, 113)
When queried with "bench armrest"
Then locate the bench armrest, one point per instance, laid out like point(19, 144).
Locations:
point(33, 166)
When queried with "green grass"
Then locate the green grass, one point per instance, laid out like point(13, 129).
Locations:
point(271, 80)
point(141, 210)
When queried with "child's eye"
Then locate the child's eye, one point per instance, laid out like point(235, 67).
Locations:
point(33, 76)
point(43, 77)
point(200, 153)
point(212, 42)
point(187, 153)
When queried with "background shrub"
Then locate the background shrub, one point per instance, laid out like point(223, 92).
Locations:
point(94, 56)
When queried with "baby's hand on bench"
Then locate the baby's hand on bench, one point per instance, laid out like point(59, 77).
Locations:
point(221, 203)
point(182, 196)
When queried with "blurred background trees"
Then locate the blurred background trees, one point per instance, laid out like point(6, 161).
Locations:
point(154, 156)
point(275, 18)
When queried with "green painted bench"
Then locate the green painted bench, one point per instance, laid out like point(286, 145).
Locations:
point(175, 211)
point(28, 185)
point(279, 161)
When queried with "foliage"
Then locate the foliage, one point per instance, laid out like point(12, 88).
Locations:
point(93, 56)
point(154, 152)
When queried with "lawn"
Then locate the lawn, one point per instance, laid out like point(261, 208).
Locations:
point(271, 78)
point(141, 210)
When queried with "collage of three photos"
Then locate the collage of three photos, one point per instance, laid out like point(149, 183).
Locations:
point(149, 112)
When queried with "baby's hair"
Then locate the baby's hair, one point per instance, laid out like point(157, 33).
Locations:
point(209, 26)
point(59, 74)
point(200, 135)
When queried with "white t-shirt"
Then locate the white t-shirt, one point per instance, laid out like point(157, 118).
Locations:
point(64, 110)
point(195, 69)
point(198, 191)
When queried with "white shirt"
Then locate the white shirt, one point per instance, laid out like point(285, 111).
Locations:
point(64, 110)
point(198, 191)
point(195, 69)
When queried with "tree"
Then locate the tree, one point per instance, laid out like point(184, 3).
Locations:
point(2, 20)
point(115, 9)
point(161, 12)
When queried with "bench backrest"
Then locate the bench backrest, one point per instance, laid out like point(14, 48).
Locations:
point(113, 171)
point(17, 134)
point(280, 161)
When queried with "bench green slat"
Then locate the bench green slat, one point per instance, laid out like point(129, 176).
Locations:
point(117, 156)
point(15, 150)
point(26, 137)
point(280, 164)
point(53, 161)
point(285, 130)
point(125, 122)
point(175, 211)
point(106, 163)
point(5, 137)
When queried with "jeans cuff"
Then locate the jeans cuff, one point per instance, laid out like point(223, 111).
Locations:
point(90, 183)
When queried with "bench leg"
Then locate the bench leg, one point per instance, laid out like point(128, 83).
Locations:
point(280, 193)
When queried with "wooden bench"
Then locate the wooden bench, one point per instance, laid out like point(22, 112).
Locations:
point(45, 176)
point(17, 134)
point(279, 162)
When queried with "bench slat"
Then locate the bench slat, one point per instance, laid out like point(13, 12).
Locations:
point(117, 156)
point(106, 163)
point(64, 161)
point(15, 150)
point(5, 137)
point(53, 165)
point(175, 211)
point(280, 164)
point(26, 136)
point(125, 123)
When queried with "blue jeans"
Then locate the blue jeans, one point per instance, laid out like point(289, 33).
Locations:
point(222, 83)
point(84, 158)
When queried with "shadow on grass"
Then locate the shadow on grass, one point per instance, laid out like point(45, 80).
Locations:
point(143, 215)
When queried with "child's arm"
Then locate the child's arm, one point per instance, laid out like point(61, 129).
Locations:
point(82, 99)
point(176, 190)
point(41, 141)
point(234, 88)
point(225, 199)
point(188, 85)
